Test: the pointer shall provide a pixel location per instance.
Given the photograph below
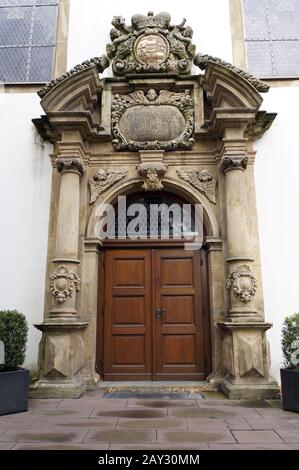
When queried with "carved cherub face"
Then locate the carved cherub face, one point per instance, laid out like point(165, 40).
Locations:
point(100, 175)
point(204, 175)
point(151, 95)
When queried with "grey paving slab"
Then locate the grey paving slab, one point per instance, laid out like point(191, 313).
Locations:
point(41, 435)
point(59, 446)
point(152, 423)
point(133, 413)
point(213, 413)
point(289, 436)
point(251, 447)
point(184, 437)
point(16, 421)
point(206, 424)
point(6, 445)
point(128, 436)
point(159, 447)
point(162, 403)
point(44, 403)
point(274, 423)
point(92, 402)
point(267, 413)
point(257, 437)
point(79, 423)
point(78, 412)
point(236, 424)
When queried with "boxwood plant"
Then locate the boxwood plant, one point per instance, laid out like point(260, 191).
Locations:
point(13, 333)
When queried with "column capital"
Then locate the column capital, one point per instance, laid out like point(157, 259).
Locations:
point(233, 162)
point(70, 164)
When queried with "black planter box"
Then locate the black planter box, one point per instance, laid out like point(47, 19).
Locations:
point(290, 389)
point(14, 386)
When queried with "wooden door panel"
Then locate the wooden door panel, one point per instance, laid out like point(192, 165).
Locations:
point(128, 328)
point(178, 345)
point(176, 272)
point(177, 309)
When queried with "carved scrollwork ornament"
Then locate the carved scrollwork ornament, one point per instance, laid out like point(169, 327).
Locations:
point(63, 282)
point(66, 164)
point(201, 180)
point(203, 60)
point(182, 104)
point(243, 283)
point(233, 162)
point(103, 180)
point(152, 174)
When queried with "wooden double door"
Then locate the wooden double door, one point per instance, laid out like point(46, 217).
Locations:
point(154, 308)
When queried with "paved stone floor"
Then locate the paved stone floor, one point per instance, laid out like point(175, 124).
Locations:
point(93, 422)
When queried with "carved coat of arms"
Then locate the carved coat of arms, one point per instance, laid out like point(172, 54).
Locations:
point(150, 44)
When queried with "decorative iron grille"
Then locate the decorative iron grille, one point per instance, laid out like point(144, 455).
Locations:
point(27, 40)
point(272, 37)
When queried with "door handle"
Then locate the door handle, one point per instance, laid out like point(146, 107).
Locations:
point(159, 312)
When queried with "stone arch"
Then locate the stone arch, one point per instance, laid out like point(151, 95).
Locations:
point(171, 186)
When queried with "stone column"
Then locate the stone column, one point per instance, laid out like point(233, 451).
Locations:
point(61, 351)
point(241, 281)
point(64, 280)
point(244, 345)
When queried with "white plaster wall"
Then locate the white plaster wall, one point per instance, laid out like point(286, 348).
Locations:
point(25, 180)
point(90, 24)
point(277, 190)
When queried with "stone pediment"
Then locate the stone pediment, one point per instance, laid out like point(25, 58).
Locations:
point(149, 55)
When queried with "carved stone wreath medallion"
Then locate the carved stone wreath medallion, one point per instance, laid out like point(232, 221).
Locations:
point(63, 282)
point(160, 120)
point(243, 283)
point(201, 180)
point(102, 180)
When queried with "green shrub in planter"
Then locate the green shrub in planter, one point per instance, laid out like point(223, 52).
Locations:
point(290, 374)
point(13, 333)
point(14, 381)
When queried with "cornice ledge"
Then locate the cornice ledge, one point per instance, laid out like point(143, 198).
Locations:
point(203, 60)
point(101, 63)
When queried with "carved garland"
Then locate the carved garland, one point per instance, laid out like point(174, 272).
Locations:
point(63, 282)
point(201, 180)
point(243, 283)
point(182, 101)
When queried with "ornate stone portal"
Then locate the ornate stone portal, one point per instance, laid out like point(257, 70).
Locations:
point(153, 127)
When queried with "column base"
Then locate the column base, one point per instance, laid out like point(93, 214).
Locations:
point(73, 388)
point(250, 391)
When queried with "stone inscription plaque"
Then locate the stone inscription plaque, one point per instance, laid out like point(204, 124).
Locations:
point(151, 123)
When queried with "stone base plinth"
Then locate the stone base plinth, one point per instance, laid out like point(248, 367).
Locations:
point(250, 391)
point(58, 388)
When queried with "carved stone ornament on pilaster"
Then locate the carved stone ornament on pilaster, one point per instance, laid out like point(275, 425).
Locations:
point(243, 283)
point(230, 162)
point(150, 45)
point(161, 120)
point(64, 164)
point(152, 174)
point(63, 282)
point(201, 180)
point(102, 180)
